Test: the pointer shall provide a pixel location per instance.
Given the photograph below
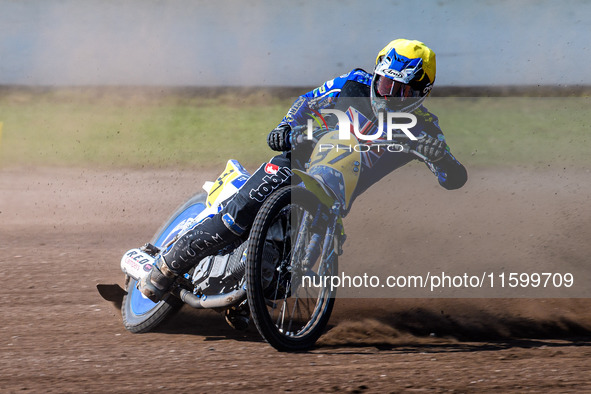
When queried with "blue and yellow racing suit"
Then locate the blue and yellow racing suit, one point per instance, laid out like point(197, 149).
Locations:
point(376, 164)
point(344, 92)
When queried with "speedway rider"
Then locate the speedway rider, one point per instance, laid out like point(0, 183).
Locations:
point(403, 77)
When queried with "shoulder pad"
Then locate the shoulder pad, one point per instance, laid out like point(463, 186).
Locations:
point(428, 120)
point(333, 87)
point(424, 114)
point(359, 75)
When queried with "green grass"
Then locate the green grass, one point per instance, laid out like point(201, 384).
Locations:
point(118, 128)
point(510, 131)
point(81, 130)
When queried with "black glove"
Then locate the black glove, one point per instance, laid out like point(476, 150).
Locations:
point(433, 149)
point(278, 138)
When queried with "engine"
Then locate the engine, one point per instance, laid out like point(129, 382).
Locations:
point(217, 274)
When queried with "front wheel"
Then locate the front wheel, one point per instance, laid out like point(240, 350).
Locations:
point(286, 274)
point(139, 313)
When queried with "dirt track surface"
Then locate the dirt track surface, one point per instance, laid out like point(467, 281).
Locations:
point(62, 232)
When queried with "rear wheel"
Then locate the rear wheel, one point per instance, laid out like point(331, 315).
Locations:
point(288, 302)
point(139, 313)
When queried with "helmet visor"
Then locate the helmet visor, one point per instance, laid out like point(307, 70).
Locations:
point(387, 87)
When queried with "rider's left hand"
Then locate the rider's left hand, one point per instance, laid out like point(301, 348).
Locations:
point(432, 148)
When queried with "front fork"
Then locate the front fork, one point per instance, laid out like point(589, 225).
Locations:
point(334, 238)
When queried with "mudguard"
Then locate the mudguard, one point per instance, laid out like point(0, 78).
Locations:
point(333, 172)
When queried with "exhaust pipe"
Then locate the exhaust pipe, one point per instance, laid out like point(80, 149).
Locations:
point(211, 301)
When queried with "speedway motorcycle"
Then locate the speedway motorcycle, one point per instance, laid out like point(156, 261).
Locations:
point(279, 274)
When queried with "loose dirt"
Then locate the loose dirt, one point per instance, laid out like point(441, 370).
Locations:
point(62, 232)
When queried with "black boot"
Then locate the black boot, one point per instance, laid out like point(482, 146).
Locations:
point(205, 239)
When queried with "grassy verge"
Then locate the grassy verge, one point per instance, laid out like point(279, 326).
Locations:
point(136, 128)
point(517, 131)
point(82, 128)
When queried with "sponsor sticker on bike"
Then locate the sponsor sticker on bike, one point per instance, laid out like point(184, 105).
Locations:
point(136, 263)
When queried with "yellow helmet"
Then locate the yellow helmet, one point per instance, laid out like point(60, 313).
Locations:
point(412, 49)
point(403, 76)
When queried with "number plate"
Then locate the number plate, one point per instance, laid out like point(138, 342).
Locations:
point(137, 264)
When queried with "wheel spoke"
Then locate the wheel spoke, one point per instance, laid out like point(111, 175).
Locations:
point(287, 314)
